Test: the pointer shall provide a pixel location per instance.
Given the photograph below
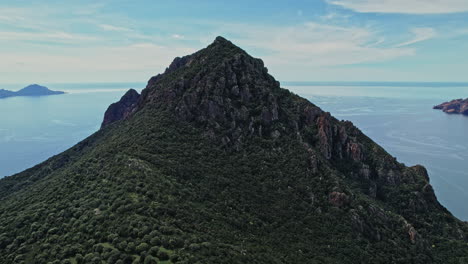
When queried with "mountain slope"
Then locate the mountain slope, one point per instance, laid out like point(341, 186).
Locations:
point(215, 163)
point(5, 93)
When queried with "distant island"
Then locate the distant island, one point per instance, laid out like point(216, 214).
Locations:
point(457, 106)
point(31, 90)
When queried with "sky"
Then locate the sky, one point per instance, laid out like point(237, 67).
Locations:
point(52, 41)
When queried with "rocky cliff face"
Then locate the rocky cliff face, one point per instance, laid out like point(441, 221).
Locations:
point(121, 109)
point(215, 163)
point(457, 106)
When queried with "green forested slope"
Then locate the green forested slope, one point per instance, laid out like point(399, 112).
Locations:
point(218, 164)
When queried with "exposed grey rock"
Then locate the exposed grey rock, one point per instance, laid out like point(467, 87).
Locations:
point(121, 109)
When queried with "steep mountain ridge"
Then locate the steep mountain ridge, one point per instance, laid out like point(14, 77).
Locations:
point(215, 163)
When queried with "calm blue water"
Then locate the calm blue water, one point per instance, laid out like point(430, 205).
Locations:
point(33, 129)
point(397, 116)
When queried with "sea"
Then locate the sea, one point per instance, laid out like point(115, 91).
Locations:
point(396, 115)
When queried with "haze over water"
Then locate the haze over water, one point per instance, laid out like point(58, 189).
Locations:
point(397, 116)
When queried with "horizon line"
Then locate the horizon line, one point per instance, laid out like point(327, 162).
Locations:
point(283, 81)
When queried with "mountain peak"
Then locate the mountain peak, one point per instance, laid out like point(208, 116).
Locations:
point(35, 86)
point(197, 86)
point(223, 42)
point(220, 49)
point(220, 39)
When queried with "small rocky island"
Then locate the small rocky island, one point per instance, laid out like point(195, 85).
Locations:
point(457, 106)
point(31, 90)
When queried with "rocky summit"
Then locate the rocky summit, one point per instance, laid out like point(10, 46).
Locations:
point(216, 163)
point(457, 106)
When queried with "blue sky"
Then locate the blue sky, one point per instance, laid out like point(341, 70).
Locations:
point(315, 40)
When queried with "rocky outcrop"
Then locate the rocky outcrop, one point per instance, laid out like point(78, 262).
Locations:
point(457, 106)
point(338, 199)
point(121, 109)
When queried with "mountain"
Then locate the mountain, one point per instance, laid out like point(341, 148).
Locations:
point(215, 163)
point(31, 90)
point(457, 106)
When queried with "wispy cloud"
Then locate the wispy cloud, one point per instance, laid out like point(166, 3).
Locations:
point(420, 34)
point(329, 16)
point(285, 49)
point(177, 36)
point(89, 9)
point(62, 37)
point(94, 44)
point(107, 27)
point(335, 16)
point(18, 17)
point(314, 44)
point(404, 6)
point(10, 18)
point(298, 52)
point(137, 61)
